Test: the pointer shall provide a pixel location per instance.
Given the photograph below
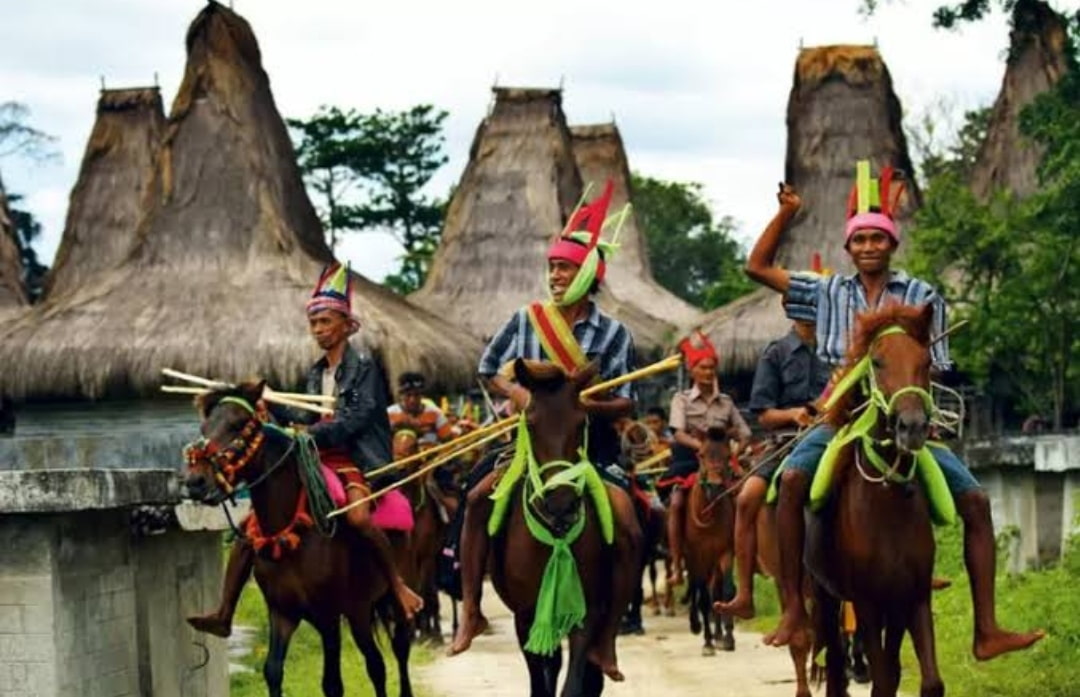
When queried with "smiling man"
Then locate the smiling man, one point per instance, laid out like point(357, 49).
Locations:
point(871, 237)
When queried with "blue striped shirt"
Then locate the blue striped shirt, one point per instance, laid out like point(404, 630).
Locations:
point(832, 302)
point(602, 339)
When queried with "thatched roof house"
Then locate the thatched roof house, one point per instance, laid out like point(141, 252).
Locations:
point(108, 197)
point(841, 109)
point(600, 155)
point(517, 191)
point(1037, 60)
point(12, 291)
point(223, 258)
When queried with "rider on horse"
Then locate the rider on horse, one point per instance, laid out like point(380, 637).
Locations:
point(871, 237)
point(355, 439)
point(570, 331)
point(415, 412)
point(694, 412)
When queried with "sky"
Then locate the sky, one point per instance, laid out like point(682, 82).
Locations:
point(699, 90)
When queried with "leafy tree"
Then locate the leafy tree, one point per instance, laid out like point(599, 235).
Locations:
point(1012, 266)
point(367, 172)
point(27, 230)
point(16, 138)
point(691, 254)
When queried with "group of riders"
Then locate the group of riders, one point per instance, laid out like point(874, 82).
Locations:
point(570, 330)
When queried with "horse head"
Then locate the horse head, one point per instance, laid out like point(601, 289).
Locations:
point(556, 421)
point(638, 442)
point(896, 342)
point(405, 443)
point(232, 438)
point(715, 460)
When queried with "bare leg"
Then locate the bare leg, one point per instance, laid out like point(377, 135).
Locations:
point(675, 534)
point(237, 571)
point(792, 529)
point(979, 557)
point(746, 512)
point(474, 553)
point(360, 519)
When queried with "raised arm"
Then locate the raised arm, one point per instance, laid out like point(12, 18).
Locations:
point(761, 265)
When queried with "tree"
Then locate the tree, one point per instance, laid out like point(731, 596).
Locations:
point(368, 172)
point(691, 254)
point(953, 16)
point(1013, 265)
point(19, 139)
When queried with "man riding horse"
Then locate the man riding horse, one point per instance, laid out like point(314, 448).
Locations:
point(694, 412)
point(419, 414)
point(570, 331)
point(354, 440)
point(871, 237)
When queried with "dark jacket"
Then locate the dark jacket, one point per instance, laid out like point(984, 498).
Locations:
point(359, 425)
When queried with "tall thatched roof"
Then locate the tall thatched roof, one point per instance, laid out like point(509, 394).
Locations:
point(224, 256)
point(1037, 60)
point(114, 178)
point(841, 109)
point(519, 187)
point(600, 155)
point(12, 291)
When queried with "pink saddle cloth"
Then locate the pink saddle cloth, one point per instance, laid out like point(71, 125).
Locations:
point(392, 510)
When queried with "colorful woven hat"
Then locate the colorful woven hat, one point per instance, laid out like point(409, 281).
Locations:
point(872, 202)
point(580, 243)
point(334, 292)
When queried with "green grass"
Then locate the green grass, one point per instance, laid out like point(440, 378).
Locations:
point(303, 668)
point(1045, 599)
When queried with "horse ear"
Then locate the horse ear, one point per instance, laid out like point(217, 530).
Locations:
point(252, 391)
point(926, 322)
point(581, 377)
point(522, 374)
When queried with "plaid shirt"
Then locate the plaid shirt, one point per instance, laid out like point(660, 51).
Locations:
point(602, 338)
point(832, 302)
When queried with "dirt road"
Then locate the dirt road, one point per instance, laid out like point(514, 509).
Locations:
point(667, 660)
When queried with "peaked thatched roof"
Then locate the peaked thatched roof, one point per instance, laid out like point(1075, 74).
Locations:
point(841, 109)
point(1037, 60)
point(600, 155)
point(12, 291)
point(107, 200)
point(518, 189)
point(225, 254)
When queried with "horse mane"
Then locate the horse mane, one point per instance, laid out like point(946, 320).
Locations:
point(250, 391)
point(911, 318)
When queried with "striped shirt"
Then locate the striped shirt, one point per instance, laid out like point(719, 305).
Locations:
point(431, 422)
point(832, 302)
point(602, 339)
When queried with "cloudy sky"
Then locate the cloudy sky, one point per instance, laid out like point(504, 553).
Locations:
point(698, 89)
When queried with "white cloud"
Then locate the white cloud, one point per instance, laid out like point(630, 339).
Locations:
point(699, 90)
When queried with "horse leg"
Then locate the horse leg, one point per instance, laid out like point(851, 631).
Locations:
point(627, 564)
point(704, 608)
point(330, 632)
point(401, 644)
point(894, 636)
point(281, 631)
point(575, 669)
point(827, 616)
point(871, 620)
point(921, 627)
point(543, 672)
point(360, 624)
point(691, 593)
point(724, 590)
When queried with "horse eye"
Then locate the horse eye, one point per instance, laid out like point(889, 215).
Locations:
point(877, 363)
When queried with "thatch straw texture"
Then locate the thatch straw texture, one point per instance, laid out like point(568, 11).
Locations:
point(600, 155)
point(107, 201)
point(518, 189)
point(1036, 62)
point(841, 109)
point(225, 255)
point(12, 291)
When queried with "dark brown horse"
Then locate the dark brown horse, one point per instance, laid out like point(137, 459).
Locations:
point(556, 423)
point(303, 574)
point(710, 542)
point(872, 542)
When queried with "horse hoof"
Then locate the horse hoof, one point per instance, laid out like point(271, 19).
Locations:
point(708, 650)
point(695, 625)
point(670, 612)
point(727, 643)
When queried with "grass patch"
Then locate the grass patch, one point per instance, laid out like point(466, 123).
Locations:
point(303, 667)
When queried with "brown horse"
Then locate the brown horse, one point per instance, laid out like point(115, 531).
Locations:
point(427, 538)
point(872, 542)
point(302, 573)
point(556, 422)
point(710, 542)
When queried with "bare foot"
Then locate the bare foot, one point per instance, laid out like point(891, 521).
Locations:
point(410, 602)
point(993, 644)
point(211, 624)
point(741, 606)
point(472, 625)
point(939, 584)
point(791, 624)
point(606, 663)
